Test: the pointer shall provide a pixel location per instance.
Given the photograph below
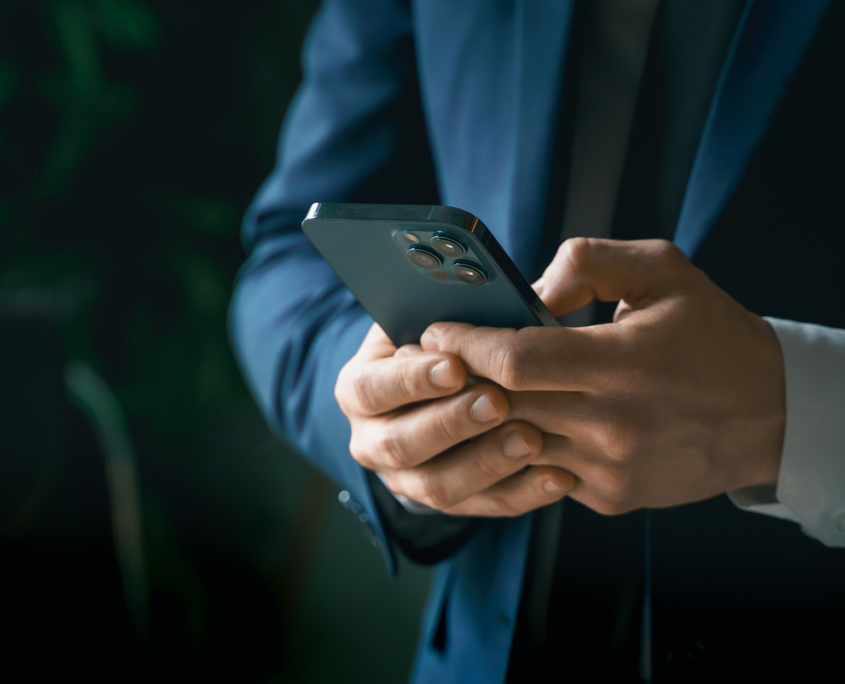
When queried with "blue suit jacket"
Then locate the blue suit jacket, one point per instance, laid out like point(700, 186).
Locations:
point(458, 102)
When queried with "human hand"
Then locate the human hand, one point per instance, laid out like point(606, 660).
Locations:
point(411, 412)
point(681, 398)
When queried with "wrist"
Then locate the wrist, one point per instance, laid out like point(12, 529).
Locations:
point(773, 423)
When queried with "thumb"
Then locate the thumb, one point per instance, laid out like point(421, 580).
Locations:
point(608, 270)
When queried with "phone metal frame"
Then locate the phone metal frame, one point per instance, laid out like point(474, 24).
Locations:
point(450, 216)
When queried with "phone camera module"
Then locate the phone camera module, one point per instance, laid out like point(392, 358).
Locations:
point(424, 258)
point(447, 246)
point(470, 273)
point(410, 237)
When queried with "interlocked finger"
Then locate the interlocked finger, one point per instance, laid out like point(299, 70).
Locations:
point(530, 488)
point(382, 385)
point(408, 350)
point(407, 438)
point(463, 472)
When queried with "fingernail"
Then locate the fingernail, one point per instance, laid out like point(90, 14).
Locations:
point(429, 341)
point(515, 446)
point(482, 410)
point(442, 376)
point(552, 487)
point(538, 288)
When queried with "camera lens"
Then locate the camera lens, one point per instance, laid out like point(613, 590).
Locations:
point(424, 258)
point(447, 246)
point(469, 272)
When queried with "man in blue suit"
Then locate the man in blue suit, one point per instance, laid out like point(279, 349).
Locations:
point(725, 136)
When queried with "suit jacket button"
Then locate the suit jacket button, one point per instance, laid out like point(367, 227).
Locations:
point(345, 499)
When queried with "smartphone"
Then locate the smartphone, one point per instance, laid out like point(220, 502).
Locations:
point(413, 265)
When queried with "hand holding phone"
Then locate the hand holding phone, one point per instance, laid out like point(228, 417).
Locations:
point(437, 441)
point(414, 420)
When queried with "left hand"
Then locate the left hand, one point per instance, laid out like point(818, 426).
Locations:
point(679, 399)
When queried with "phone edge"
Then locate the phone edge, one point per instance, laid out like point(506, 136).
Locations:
point(442, 214)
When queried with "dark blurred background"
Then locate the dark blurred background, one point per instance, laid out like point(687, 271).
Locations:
point(151, 528)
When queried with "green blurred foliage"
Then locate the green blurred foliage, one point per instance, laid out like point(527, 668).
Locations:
point(129, 24)
point(133, 134)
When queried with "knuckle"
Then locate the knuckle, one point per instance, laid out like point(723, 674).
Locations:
point(406, 350)
point(362, 389)
point(440, 336)
point(431, 492)
point(667, 252)
point(576, 253)
point(619, 441)
point(408, 382)
point(612, 446)
point(359, 452)
point(341, 388)
point(446, 427)
point(488, 467)
point(510, 364)
point(388, 450)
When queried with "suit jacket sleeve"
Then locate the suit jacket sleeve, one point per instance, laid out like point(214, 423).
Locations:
point(811, 482)
point(354, 132)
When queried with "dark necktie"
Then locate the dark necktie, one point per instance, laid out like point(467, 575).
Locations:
point(594, 628)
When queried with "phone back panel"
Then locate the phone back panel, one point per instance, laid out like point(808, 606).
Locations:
point(368, 247)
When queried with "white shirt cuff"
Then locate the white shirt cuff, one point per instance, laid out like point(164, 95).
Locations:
point(811, 482)
point(761, 500)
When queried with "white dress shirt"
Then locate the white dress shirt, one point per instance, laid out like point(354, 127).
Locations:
point(811, 482)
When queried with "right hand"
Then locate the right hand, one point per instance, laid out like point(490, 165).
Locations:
point(436, 440)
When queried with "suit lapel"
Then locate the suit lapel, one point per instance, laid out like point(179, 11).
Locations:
point(771, 38)
point(542, 32)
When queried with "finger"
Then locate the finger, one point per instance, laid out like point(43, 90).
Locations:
point(405, 439)
point(408, 350)
point(523, 492)
point(559, 359)
point(608, 270)
point(561, 413)
point(467, 470)
point(376, 344)
point(561, 451)
point(602, 482)
point(381, 385)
